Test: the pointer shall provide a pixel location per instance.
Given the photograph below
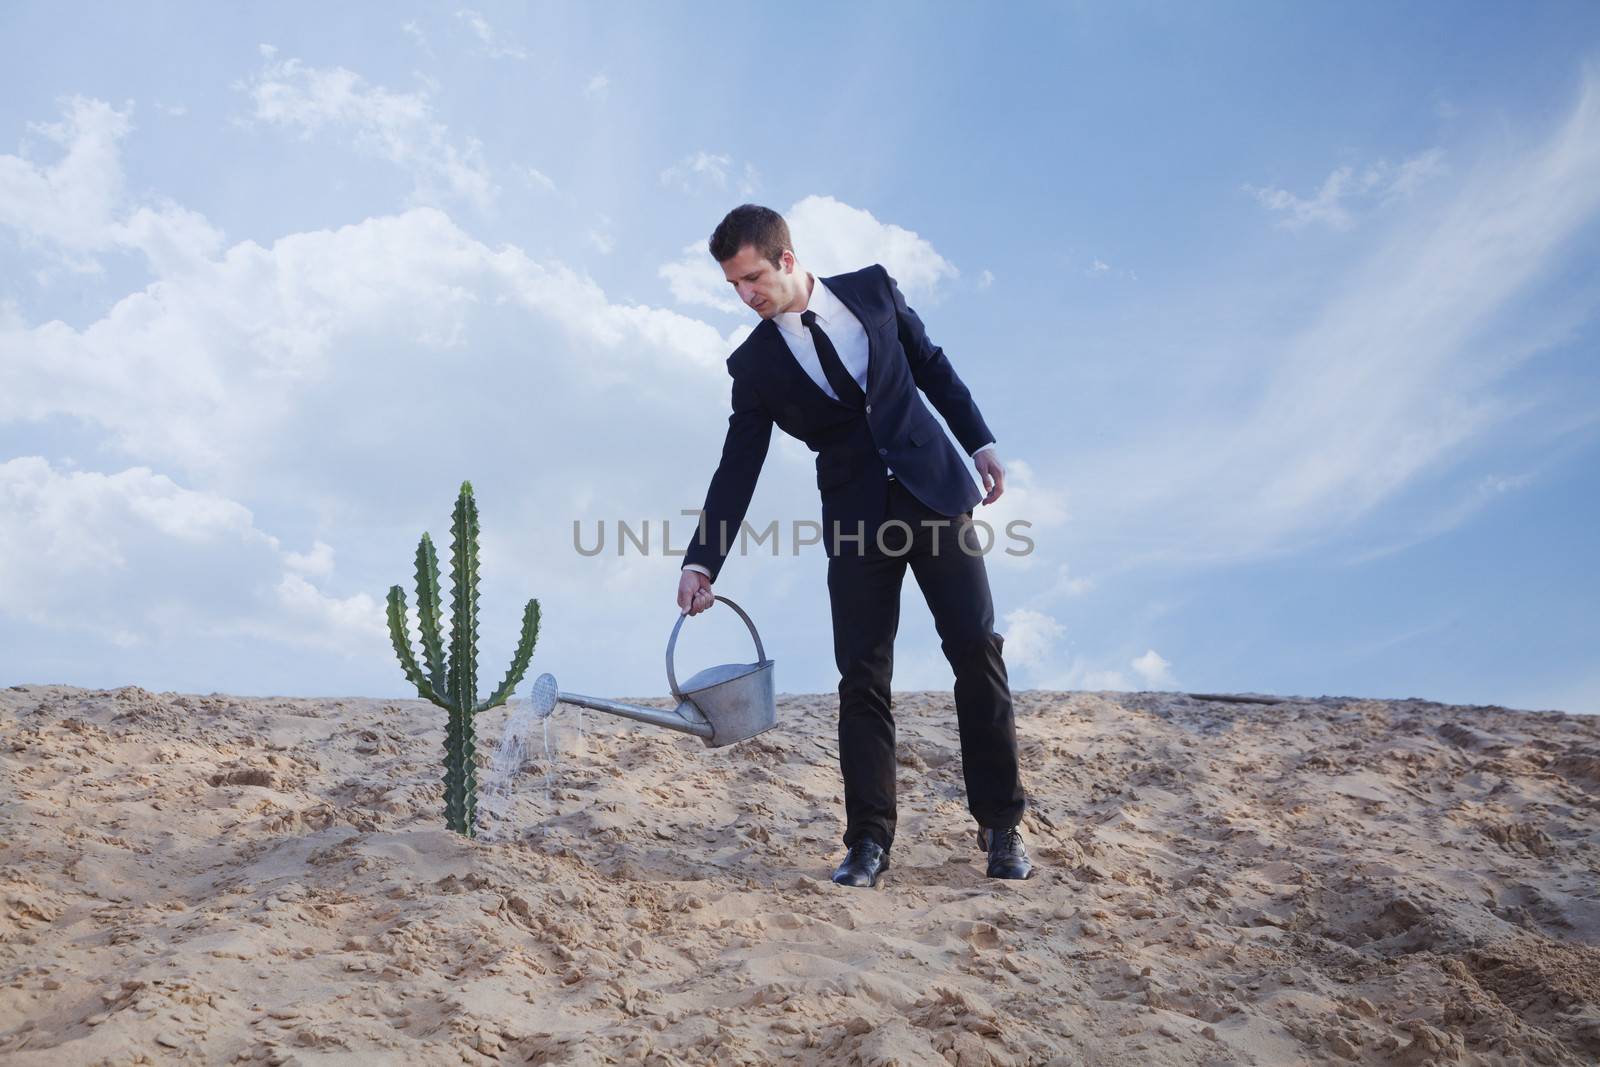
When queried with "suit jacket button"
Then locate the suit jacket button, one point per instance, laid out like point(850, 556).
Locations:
point(883, 451)
point(869, 409)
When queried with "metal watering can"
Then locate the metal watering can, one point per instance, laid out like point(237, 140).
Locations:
point(719, 705)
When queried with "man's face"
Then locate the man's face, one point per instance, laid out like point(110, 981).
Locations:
point(765, 289)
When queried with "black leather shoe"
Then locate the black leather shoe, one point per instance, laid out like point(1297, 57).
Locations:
point(862, 864)
point(1008, 857)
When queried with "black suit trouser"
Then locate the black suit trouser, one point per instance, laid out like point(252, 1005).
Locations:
point(864, 592)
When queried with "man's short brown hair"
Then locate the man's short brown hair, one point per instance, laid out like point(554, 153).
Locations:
point(750, 224)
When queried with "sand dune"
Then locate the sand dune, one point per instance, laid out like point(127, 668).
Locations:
point(212, 879)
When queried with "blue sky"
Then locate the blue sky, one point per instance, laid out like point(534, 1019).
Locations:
point(1282, 315)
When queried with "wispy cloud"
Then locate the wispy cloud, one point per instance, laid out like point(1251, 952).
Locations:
point(1392, 378)
point(1486, 491)
point(1335, 202)
point(708, 171)
point(538, 179)
point(1099, 268)
point(600, 236)
point(415, 32)
point(399, 127)
point(597, 87)
point(493, 46)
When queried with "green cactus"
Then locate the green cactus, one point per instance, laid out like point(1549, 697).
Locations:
point(453, 684)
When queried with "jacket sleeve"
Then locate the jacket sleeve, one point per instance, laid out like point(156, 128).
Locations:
point(744, 450)
point(934, 375)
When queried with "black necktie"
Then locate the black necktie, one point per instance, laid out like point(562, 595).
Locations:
point(844, 384)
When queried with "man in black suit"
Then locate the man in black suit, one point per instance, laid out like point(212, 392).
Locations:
point(837, 363)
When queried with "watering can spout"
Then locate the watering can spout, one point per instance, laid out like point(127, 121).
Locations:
point(719, 705)
point(686, 719)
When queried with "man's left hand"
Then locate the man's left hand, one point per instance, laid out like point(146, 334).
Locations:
point(994, 475)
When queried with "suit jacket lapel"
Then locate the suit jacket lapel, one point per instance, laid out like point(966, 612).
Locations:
point(788, 367)
point(840, 287)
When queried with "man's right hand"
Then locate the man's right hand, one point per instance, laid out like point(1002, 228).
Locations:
point(694, 592)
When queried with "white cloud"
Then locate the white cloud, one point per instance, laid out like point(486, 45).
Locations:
point(173, 239)
point(76, 207)
point(136, 559)
point(694, 279)
point(493, 47)
point(317, 563)
point(597, 87)
point(201, 371)
point(831, 238)
point(1154, 671)
point(352, 625)
point(71, 203)
point(1031, 637)
point(1036, 657)
point(398, 127)
point(1078, 675)
point(328, 375)
point(834, 237)
point(985, 279)
point(1332, 203)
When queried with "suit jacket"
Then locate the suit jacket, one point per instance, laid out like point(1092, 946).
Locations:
point(854, 448)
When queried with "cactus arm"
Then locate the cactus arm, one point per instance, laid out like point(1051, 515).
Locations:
point(519, 659)
point(429, 610)
point(402, 647)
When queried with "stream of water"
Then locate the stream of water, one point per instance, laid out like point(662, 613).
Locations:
point(498, 791)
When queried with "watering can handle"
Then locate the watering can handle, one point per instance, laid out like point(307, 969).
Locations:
point(672, 643)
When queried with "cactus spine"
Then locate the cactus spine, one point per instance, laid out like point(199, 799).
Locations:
point(453, 683)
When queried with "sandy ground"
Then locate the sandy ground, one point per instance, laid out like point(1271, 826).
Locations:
point(226, 880)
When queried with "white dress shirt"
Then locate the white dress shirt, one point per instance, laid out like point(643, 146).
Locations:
point(849, 339)
point(843, 329)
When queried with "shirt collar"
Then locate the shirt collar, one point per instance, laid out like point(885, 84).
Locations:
point(822, 301)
